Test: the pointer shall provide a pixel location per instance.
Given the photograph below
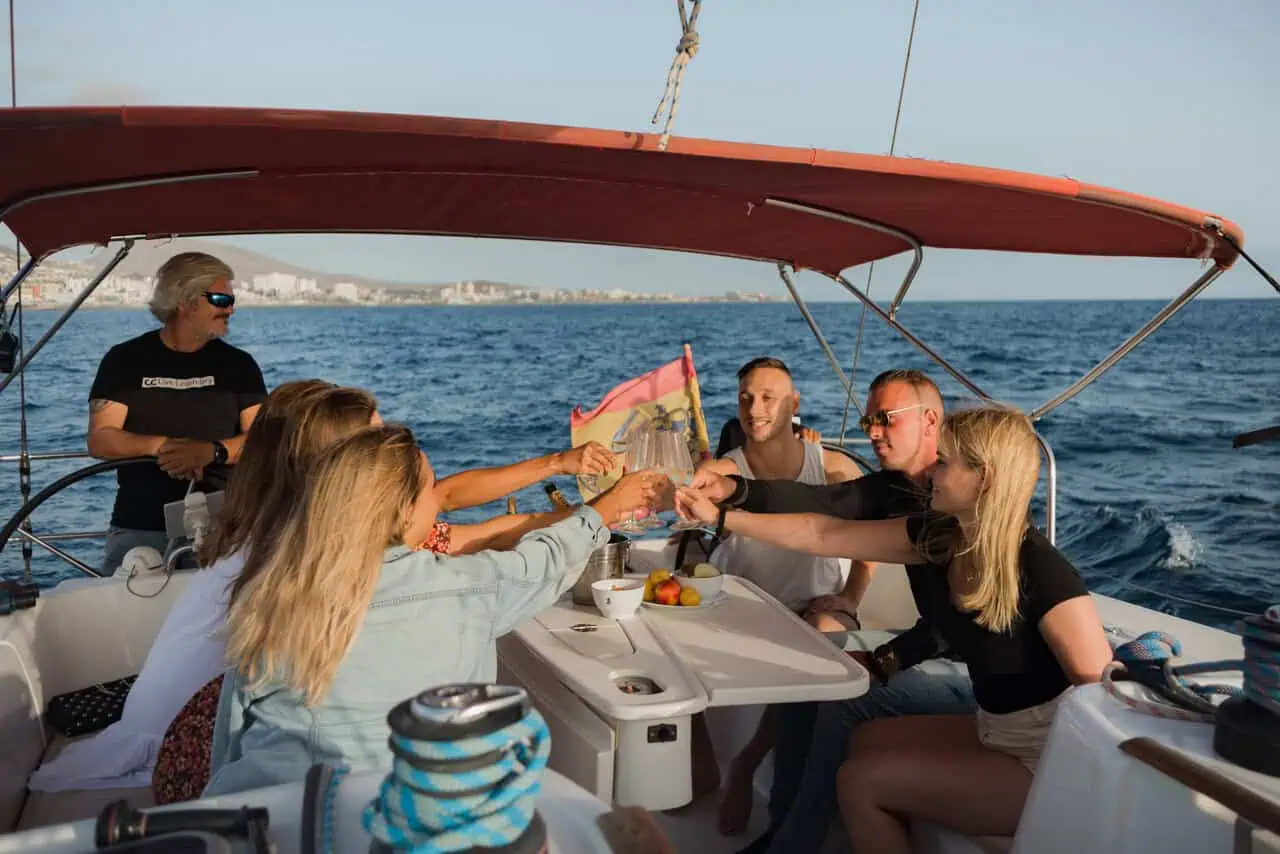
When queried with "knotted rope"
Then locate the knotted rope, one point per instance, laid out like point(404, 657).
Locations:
point(685, 50)
point(1148, 660)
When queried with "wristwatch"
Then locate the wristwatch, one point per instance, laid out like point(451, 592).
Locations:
point(219, 452)
point(739, 493)
point(885, 659)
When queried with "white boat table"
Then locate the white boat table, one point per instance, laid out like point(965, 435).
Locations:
point(752, 649)
point(619, 695)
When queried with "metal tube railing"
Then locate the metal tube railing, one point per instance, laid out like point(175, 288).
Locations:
point(66, 315)
point(1134, 340)
point(131, 184)
point(917, 248)
point(52, 455)
point(905, 333)
point(74, 535)
point(57, 552)
point(813, 327)
point(1051, 490)
point(17, 280)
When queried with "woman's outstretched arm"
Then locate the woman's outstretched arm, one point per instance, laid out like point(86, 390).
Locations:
point(881, 540)
point(500, 532)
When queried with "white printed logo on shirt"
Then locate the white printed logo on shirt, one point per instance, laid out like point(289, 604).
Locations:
point(179, 384)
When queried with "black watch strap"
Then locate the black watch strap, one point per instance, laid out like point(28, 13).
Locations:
point(718, 537)
point(874, 668)
point(739, 493)
point(219, 452)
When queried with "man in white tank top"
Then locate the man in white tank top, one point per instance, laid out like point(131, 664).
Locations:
point(814, 587)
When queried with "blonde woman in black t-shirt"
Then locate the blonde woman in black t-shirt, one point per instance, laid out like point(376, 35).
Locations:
point(1005, 601)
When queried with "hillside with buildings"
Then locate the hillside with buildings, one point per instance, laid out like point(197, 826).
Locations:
point(264, 281)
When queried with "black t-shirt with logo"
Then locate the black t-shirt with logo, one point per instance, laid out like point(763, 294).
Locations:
point(196, 395)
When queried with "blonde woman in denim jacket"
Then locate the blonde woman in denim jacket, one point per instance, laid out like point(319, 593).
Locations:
point(336, 620)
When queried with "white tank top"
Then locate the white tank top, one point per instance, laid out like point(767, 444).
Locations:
point(791, 577)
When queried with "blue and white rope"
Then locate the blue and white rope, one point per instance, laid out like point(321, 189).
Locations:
point(1262, 659)
point(1148, 660)
point(444, 811)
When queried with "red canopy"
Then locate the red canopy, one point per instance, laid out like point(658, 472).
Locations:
point(361, 172)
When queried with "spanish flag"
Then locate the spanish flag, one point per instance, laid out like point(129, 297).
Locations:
point(667, 396)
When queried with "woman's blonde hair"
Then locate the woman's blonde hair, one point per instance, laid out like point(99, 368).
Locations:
point(1000, 442)
point(296, 423)
point(303, 595)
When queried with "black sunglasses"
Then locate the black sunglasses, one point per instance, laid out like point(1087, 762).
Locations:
point(220, 300)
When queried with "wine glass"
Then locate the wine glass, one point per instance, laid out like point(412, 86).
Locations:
point(674, 460)
point(638, 456)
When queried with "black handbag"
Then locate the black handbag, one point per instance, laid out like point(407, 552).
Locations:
point(90, 709)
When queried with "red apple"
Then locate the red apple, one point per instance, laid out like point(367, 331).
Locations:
point(667, 593)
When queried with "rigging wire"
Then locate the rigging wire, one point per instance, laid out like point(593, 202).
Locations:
point(24, 462)
point(1170, 597)
point(1254, 264)
point(862, 320)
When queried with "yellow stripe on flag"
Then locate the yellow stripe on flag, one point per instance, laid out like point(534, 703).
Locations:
point(667, 395)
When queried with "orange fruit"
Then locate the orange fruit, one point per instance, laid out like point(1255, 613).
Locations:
point(689, 596)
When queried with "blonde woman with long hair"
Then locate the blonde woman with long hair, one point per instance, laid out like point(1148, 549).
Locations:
point(300, 421)
point(337, 618)
point(187, 651)
point(1005, 601)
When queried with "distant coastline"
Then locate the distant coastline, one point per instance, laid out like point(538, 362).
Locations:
point(268, 282)
point(98, 306)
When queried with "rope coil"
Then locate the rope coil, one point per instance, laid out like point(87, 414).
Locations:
point(486, 800)
point(686, 48)
point(1148, 660)
point(1262, 659)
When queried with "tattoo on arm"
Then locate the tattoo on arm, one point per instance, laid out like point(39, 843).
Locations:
point(97, 405)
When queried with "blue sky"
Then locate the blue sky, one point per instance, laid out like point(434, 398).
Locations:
point(1164, 98)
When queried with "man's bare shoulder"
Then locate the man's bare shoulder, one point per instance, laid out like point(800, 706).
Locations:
point(838, 467)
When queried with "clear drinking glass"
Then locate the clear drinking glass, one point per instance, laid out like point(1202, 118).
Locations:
point(639, 456)
point(674, 460)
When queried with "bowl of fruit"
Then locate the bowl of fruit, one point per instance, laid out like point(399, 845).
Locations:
point(661, 588)
point(704, 578)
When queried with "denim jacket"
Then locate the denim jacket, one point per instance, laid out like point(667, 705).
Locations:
point(433, 620)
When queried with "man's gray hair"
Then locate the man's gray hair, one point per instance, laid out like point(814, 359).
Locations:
point(182, 279)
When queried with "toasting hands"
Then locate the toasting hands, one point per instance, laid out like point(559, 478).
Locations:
point(693, 505)
point(589, 459)
point(632, 492)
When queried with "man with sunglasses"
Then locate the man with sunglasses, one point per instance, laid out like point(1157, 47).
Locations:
point(903, 413)
point(180, 394)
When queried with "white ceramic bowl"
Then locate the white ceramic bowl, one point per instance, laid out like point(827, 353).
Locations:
point(708, 588)
point(617, 597)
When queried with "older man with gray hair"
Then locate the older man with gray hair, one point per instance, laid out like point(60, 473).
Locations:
point(180, 394)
